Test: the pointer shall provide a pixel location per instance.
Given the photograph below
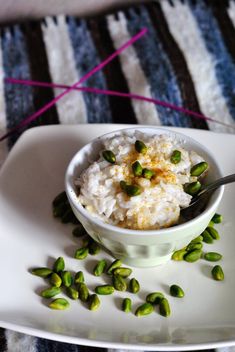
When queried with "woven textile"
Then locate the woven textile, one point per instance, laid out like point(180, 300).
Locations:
point(187, 59)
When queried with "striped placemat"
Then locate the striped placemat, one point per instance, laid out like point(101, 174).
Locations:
point(187, 59)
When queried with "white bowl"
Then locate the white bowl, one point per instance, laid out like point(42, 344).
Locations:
point(136, 247)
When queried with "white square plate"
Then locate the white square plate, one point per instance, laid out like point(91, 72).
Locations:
point(30, 237)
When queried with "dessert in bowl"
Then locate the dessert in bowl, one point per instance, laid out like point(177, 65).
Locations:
point(127, 188)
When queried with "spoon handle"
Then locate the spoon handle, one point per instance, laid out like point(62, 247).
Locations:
point(218, 183)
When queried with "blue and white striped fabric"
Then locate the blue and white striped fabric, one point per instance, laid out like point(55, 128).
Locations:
point(86, 57)
point(187, 59)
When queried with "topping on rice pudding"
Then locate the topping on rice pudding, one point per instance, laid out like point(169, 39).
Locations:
point(139, 182)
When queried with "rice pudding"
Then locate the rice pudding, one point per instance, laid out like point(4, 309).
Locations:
point(139, 181)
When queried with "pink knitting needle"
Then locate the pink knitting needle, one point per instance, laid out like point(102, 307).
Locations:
point(68, 90)
point(119, 94)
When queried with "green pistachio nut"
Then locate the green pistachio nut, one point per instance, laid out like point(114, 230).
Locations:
point(217, 218)
point(94, 302)
point(176, 291)
point(81, 253)
point(217, 273)
point(207, 238)
point(148, 173)
point(55, 280)
point(140, 147)
point(50, 292)
point(132, 190)
point(198, 239)
point(100, 267)
point(72, 292)
point(164, 307)
point(126, 305)
point(212, 256)
point(124, 272)
point(42, 272)
point(67, 279)
point(211, 224)
point(192, 188)
point(179, 255)
point(134, 285)
point(109, 156)
point(144, 309)
point(176, 157)
point(79, 277)
point(104, 290)
point(83, 292)
point(213, 232)
point(119, 283)
point(59, 265)
point(192, 246)
point(137, 168)
point(193, 256)
point(59, 304)
point(115, 264)
point(154, 297)
point(198, 169)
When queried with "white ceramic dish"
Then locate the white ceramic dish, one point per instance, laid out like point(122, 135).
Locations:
point(31, 177)
point(133, 247)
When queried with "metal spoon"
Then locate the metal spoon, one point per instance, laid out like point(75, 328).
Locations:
point(205, 191)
